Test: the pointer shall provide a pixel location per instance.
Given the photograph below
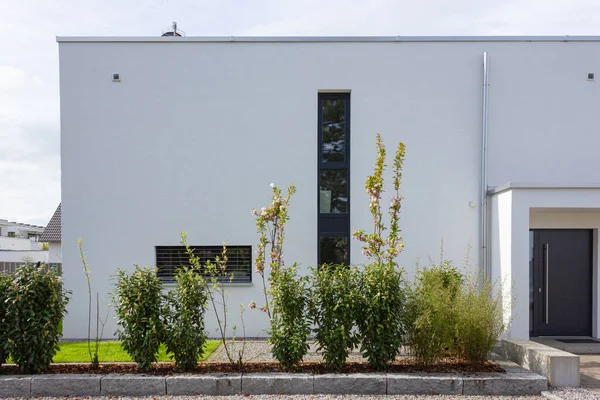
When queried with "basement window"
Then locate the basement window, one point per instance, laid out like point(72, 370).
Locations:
point(239, 261)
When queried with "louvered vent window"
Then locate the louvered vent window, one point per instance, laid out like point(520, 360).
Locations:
point(239, 263)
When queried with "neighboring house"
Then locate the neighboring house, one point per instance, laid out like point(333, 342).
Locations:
point(17, 230)
point(164, 134)
point(18, 243)
point(52, 236)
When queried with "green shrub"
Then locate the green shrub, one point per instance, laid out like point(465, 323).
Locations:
point(290, 322)
point(431, 312)
point(5, 282)
point(138, 305)
point(185, 318)
point(381, 324)
point(479, 320)
point(35, 305)
point(334, 310)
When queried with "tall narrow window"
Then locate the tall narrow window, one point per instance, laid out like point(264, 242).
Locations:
point(333, 179)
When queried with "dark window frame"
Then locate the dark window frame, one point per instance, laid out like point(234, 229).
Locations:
point(333, 224)
point(240, 264)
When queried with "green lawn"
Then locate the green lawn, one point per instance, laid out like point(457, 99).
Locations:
point(77, 352)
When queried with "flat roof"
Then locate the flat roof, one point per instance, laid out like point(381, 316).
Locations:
point(312, 39)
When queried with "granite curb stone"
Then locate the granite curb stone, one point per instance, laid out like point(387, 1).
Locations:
point(214, 384)
point(278, 383)
point(61, 385)
point(132, 385)
point(509, 384)
point(15, 386)
point(399, 384)
point(374, 383)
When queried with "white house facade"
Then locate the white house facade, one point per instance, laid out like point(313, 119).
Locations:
point(171, 134)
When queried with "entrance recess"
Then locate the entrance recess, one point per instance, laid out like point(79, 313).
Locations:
point(560, 282)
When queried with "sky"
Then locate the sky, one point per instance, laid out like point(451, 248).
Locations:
point(29, 90)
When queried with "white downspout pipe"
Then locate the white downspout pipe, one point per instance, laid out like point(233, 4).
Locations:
point(483, 251)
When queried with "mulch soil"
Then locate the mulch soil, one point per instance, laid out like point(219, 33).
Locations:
point(402, 366)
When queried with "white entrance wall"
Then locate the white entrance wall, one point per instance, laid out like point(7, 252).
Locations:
point(517, 208)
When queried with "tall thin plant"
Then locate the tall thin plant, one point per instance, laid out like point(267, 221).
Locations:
point(216, 276)
point(93, 353)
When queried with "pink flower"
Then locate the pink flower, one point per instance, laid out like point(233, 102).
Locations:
point(263, 309)
point(252, 305)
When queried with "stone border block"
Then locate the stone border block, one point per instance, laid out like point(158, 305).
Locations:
point(507, 384)
point(61, 385)
point(214, 384)
point(350, 384)
point(15, 386)
point(399, 384)
point(561, 368)
point(277, 383)
point(132, 385)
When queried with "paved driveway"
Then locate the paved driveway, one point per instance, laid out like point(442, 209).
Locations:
point(590, 371)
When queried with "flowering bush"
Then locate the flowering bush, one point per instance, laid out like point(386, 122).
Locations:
point(377, 247)
point(381, 285)
point(270, 225)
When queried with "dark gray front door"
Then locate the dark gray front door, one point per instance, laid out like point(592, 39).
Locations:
point(561, 282)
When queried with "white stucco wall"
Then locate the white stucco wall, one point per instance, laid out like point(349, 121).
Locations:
point(191, 137)
point(54, 252)
point(501, 260)
point(22, 255)
point(9, 243)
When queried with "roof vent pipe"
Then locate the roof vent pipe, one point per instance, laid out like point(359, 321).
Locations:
point(173, 31)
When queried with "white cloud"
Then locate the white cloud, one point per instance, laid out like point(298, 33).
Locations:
point(29, 110)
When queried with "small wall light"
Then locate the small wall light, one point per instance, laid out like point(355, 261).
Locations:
point(590, 76)
point(116, 78)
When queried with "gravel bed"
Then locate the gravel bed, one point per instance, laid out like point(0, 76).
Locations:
point(308, 397)
point(260, 351)
point(572, 394)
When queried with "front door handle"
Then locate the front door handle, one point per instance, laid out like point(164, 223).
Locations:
point(547, 261)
